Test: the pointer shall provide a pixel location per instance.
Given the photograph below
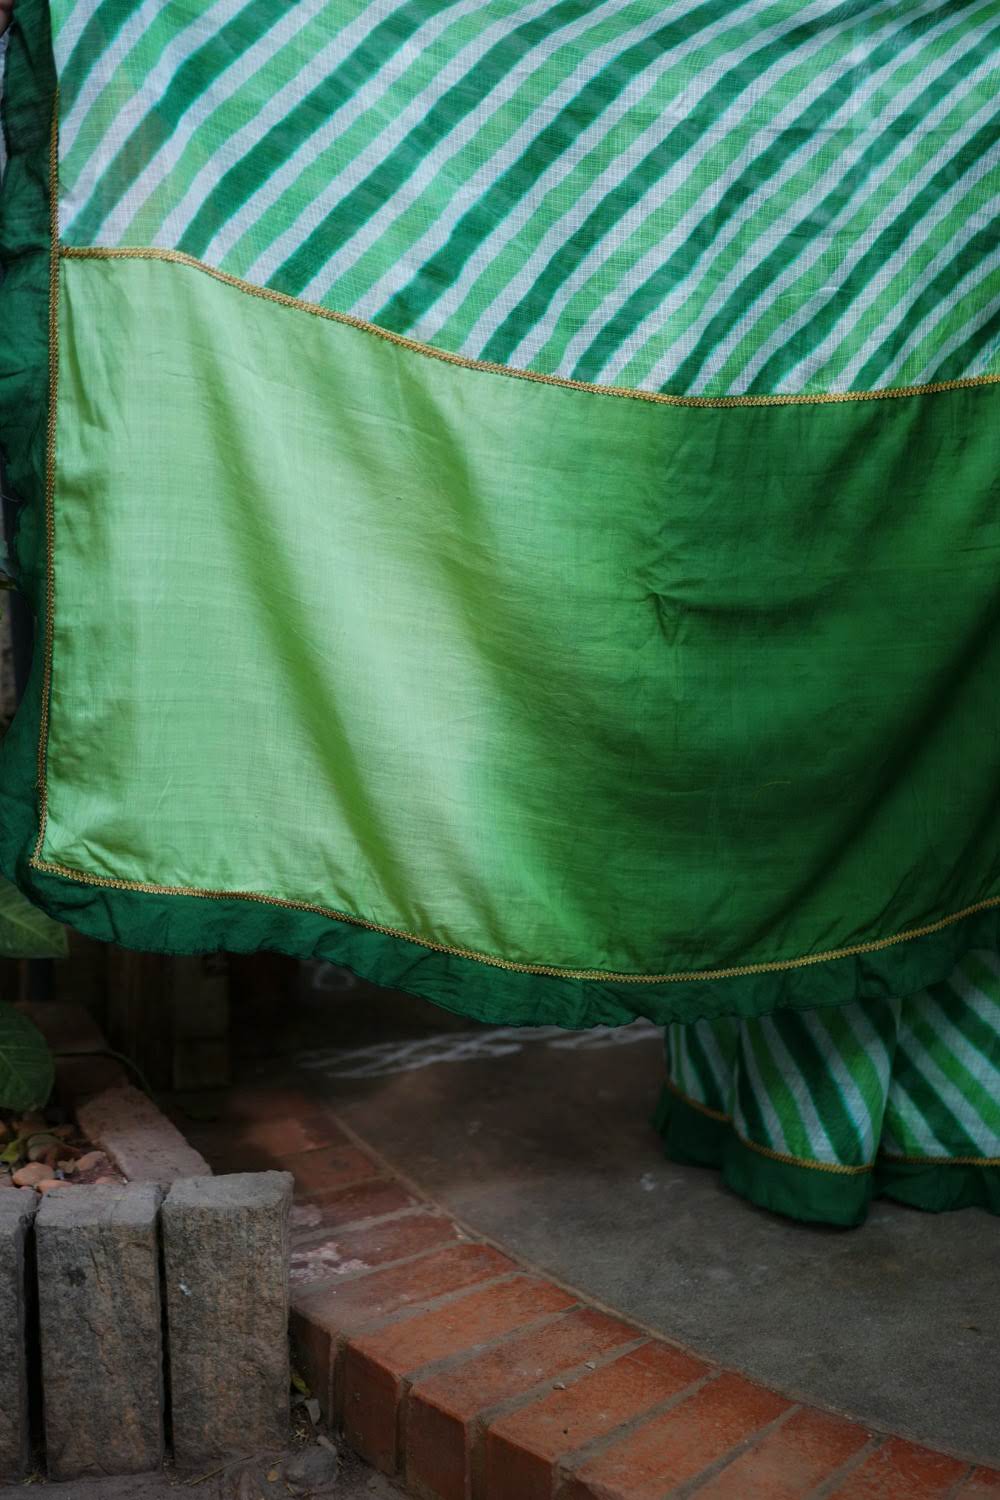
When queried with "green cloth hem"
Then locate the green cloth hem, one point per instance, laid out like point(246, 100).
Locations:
point(810, 1194)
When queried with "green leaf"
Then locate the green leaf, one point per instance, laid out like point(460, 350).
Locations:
point(26, 1067)
point(25, 930)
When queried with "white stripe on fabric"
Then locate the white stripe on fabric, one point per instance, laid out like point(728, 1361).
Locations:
point(821, 1142)
point(550, 175)
point(329, 129)
point(223, 86)
point(807, 368)
point(977, 320)
point(891, 108)
point(69, 19)
point(202, 27)
point(673, 182)
point(702, 210)
point(393, 132)
point(927, 1066)
point(436, 160)
point(854, 1102)
point(975, 1064)
point(772, 1122)
point(917, 1137)
point(720, 353)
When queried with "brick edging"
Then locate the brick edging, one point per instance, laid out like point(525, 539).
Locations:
point(468, 1375)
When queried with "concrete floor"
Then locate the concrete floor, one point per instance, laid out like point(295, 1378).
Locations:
point(542, 1140)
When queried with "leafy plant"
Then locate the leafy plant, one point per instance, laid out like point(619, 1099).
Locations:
point(25, 930)
point(26, 1067)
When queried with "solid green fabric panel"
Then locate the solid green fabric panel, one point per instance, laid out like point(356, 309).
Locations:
point(554, 678)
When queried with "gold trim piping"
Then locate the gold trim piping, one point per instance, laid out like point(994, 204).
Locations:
point(839, 1169)
point(552, 971)
point(797, 1161)
point(696, 1104)
point(430, 351)
point(782, 1156)
point(50, 471)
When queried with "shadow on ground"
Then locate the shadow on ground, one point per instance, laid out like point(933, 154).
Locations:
point(542, 1140)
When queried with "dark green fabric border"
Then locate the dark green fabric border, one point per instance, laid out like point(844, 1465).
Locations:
point(28, 102)
point(186, 924)
point(807, 1193)
point(936, 1189)
point(192, 924)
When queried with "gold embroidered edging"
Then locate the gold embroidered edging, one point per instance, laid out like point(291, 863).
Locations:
point(782, 1156)
point(819, 1166)
point(696, 1104)
point(552, 971)
point(430, 351)
point(50, 470)
point(838, 1168)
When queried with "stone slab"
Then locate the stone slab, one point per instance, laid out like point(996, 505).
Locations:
point(226, 1243)
point(100, 1315)
point(17, 1210)
point(146, 1146)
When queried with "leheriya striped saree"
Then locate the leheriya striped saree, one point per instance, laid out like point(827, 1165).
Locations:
point(510, 499)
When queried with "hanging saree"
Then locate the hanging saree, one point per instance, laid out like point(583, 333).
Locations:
point(509, 494)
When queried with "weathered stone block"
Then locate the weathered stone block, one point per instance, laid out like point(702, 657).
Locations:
point(226, 1253)
point(101, 1319)
point(135, 1134)
point(17, 1209)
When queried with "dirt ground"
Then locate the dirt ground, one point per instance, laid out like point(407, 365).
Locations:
point(269, 1479)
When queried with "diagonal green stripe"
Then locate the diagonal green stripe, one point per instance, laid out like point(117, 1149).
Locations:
point(822, 1087)
point(287, 136)
point(365, 198)
point(443, 268)
point(702, 1068)
point(889, 298)
point(683, 263)
point(978, 1094)
point(982, 339)
point(858, 1059)
point(941, 1122)
point(190, 80)
point(979, 248)
point(660, 159)
point(99, 32)
point(749, 1109)
point(753, 289)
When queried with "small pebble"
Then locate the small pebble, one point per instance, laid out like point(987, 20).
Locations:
point(50, 1183)
point(313, 1471)
point(90, 1160)
point(31, 1176)
point(106, 1181)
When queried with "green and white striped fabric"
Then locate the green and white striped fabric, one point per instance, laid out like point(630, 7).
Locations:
point(840, 1089)
point(707, 197)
